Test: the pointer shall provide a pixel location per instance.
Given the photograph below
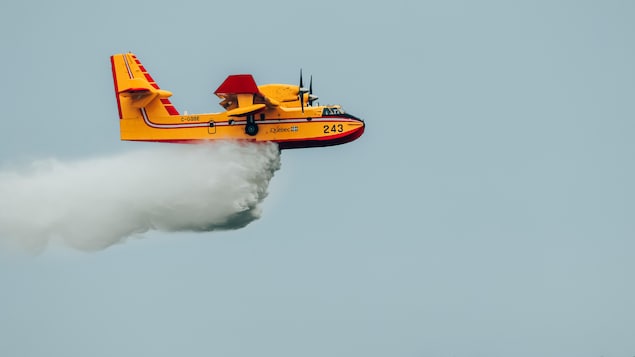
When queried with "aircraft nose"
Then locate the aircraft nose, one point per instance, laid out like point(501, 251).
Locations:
point(361, 121)
point(357, 132)
point(351, 116)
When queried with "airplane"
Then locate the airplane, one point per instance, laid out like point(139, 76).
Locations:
point(280, 113)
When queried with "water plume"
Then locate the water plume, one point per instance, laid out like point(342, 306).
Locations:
point(94, 203)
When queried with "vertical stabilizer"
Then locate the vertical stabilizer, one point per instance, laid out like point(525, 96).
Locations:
point(136, 90)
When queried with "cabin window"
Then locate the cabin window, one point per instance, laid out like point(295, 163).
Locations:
point(332, 111)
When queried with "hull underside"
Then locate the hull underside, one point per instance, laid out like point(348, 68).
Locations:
point(282, 144)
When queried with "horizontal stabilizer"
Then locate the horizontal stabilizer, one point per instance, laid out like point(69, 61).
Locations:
point(135, 90)
point(141, 97)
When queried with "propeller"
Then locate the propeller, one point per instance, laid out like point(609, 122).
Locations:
point(301, 91)
point(312, 97)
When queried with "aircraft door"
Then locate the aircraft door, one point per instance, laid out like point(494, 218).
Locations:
point(211, 129)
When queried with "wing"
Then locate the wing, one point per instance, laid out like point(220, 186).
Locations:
point(284, 93)
point(241, 96)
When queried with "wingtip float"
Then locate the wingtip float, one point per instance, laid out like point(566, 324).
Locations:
point(281, 113)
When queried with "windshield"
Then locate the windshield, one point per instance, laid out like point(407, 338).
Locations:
point(332, 111)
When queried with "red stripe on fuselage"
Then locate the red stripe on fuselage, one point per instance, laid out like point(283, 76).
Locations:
point(284, 144)
point(323, 141)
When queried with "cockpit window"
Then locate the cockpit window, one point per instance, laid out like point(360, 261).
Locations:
point(332, 111)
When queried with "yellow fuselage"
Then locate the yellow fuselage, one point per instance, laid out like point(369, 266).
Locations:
point(290, 128)
point(268, 113)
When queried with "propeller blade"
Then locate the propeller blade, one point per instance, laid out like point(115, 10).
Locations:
point(301, 85)
point(310, 90)
point(301, 92)
point(312, 98)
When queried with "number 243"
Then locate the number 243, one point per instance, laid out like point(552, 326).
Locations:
point(335, 128)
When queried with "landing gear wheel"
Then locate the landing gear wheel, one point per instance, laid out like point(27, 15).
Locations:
point(251, 129)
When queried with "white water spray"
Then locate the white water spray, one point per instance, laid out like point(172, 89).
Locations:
point(95, 203)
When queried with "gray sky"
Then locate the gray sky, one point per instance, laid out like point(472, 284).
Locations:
point(487, 211)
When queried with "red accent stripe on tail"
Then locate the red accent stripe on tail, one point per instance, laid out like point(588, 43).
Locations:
point(169, 107)
point(171, 110)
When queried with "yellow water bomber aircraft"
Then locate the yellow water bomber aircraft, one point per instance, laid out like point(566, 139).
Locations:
point(281, 113)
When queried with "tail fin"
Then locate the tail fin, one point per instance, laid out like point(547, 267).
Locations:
point(137, 93)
